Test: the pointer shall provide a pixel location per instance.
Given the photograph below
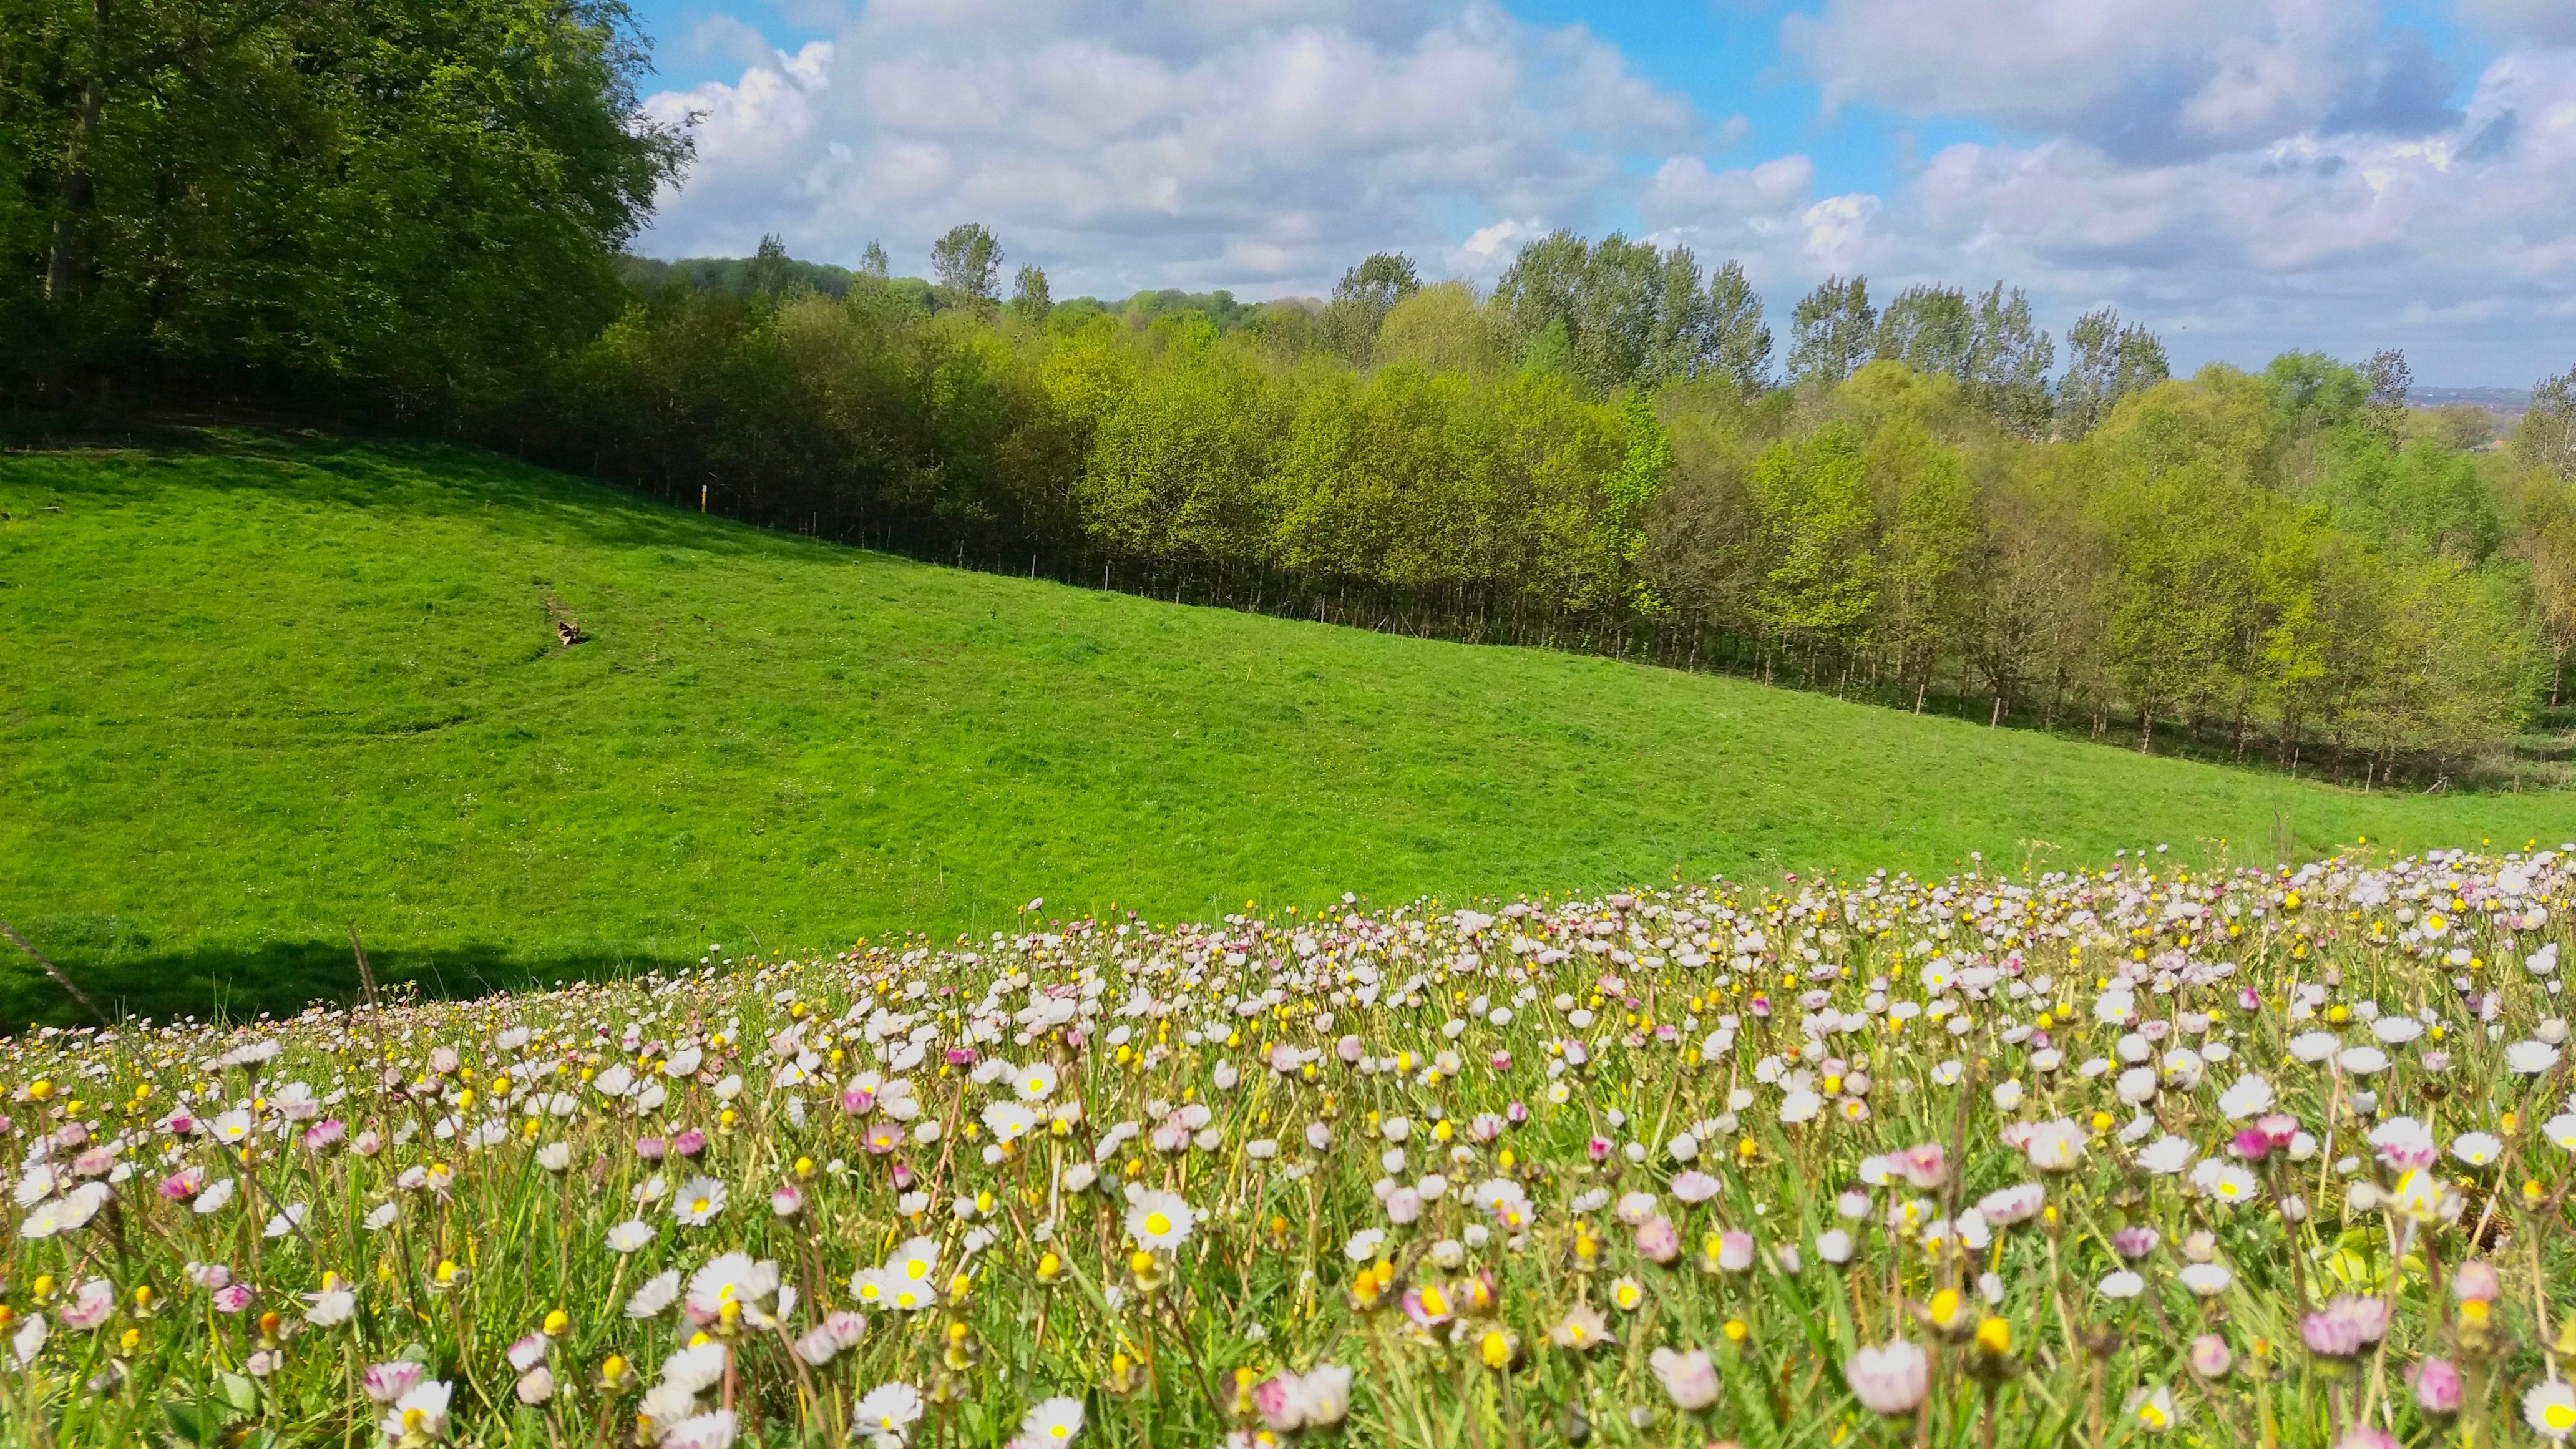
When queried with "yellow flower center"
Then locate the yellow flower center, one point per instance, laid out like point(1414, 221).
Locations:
point(1156, 1224)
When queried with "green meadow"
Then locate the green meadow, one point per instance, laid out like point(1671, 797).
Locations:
point(262, 692)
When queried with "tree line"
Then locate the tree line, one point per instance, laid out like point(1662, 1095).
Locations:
point(418, 211)
point(1914, 505)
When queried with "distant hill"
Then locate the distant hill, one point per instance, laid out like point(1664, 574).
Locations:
point(2504, 402)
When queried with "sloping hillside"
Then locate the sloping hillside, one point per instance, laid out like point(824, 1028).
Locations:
point(258, 693)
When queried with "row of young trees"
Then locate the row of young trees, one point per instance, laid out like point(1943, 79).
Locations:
point(1598, 453)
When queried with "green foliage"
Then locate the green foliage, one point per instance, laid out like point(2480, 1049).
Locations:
point(1624, 313)
point(1991, 346)
point(967, 259)
point(1814, 498)
point(1440, 328)
point(1831, 332)
point(2228, 556)
point(393, 199)
point(776, 740)
point(2546, 436)
point(1361, 300)
point(1030, 298)
point(1740, 346)
point(733, 274)
point(2111, 361)
point(2312, 393)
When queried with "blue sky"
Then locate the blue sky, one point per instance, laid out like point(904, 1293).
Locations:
point(2243, 175)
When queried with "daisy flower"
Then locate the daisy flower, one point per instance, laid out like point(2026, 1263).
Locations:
point(732, 1289)
point(890, 1408)
point(1053, 1422)
point(2550, 1409)
point(1008, 1121)
point(1889, 1379)
point(698, 1202)
point(1158, 1220)
point(419, 1417)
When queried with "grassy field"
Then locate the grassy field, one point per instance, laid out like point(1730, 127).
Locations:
point(258, 693)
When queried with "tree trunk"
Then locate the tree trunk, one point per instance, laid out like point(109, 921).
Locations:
point(2146, 730)
point(79, 188)
point(1997, 717)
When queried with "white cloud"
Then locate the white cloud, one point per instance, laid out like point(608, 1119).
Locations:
point(2246, 175)
point(1684, 188)
point(2464, 240)
point(2549, 22)
point(1258, 143)
point(2141, 79)
point(1835, 233)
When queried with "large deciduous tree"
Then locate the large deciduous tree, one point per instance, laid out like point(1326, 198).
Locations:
point(406, 199)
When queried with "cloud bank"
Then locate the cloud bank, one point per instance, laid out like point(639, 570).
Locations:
point(2244, 177)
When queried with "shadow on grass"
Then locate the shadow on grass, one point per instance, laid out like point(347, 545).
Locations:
point(281, 978)
point(400, 476)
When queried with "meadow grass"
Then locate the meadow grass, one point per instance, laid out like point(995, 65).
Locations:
point(262, 690)
point(2252, 1159)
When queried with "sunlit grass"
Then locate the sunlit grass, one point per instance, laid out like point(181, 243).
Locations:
point(2252, 1158)
point(259, 695)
